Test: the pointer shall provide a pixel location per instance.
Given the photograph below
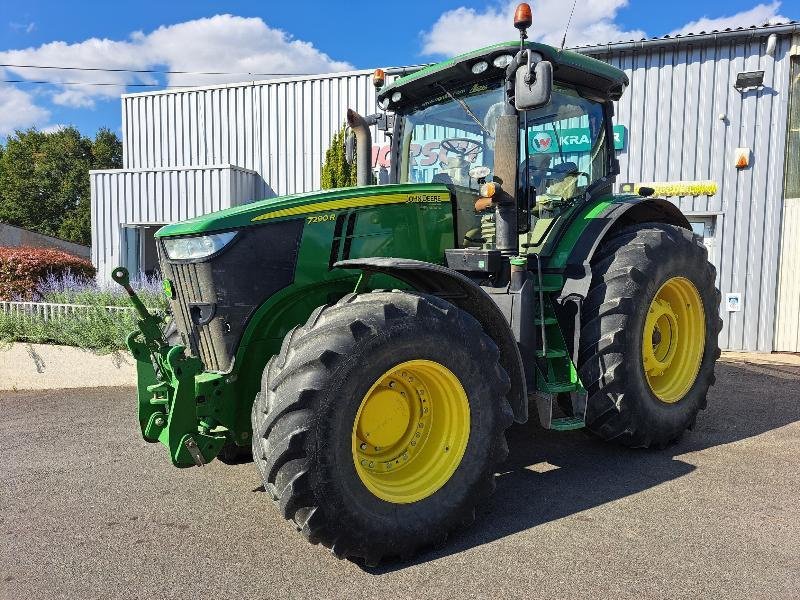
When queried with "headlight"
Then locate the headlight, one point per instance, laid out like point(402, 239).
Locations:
point(186, 248)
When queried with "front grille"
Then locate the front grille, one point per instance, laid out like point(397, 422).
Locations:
point(189, 292)
point(215, 298)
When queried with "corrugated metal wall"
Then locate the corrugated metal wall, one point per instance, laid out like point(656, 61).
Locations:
point(280, 129)
point(157, 196)
point(684, 120)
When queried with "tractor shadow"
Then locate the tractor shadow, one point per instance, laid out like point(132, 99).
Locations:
point(551, 475)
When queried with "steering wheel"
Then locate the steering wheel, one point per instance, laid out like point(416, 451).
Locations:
point(557, 172)
point(469, 146)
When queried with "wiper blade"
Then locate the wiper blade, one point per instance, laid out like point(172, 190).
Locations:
point(466, 109)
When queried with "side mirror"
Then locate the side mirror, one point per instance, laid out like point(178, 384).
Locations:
point(349, 146)
point(533, 84)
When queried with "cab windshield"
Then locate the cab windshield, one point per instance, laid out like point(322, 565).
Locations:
point(449, 135)
point(566, 145)
point(445, 138)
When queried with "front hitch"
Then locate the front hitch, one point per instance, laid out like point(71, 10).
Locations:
point(172, 398)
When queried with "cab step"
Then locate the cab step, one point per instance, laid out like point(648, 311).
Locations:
point(546, 321)
point(557, 387)
point(551, 353)
point(567, 423)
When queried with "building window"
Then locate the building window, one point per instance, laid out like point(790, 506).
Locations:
point(792, 183)
point(703, 227)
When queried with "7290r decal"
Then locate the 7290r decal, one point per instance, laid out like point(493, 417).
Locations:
point(321, 218)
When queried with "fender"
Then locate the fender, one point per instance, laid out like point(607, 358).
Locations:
point(461, 291)
point(575, 249)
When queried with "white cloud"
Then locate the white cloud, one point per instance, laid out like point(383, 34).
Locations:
point(53, 128)
point(18, 110)
point(230, 43)
point(225, 43)
point(463, 29)
point(760, 14)
point(26, 27)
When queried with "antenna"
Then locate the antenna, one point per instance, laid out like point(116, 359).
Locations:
point(564, 39)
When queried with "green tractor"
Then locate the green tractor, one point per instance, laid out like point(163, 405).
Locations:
point(371, 345)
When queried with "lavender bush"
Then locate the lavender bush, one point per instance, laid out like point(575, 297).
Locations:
point(69, 289)
point(95, 328)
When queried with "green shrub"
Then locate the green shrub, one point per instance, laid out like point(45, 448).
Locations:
point(96, 329)
point(336, 171)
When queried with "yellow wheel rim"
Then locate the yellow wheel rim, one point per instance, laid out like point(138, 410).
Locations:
point(411, 431)
point(674, 339)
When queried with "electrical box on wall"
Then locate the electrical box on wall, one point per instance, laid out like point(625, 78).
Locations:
point(733, 302)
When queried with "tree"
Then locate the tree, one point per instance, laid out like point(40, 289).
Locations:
point(336, 171)
point(44, 178)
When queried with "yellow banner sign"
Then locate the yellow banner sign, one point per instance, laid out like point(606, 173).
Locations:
point(673, 188)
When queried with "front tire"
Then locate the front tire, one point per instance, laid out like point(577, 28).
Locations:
point(649, 335)
point(380, 423)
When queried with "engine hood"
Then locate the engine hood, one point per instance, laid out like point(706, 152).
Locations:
point(301, 205)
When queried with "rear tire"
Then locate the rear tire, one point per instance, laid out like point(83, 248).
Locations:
point(629, 400)
point(315, 390)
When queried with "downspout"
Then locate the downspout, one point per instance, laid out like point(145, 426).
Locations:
point(359, 127)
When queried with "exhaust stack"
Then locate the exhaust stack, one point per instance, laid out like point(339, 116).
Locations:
point(359, 126)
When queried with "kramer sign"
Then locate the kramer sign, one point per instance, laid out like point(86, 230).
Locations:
point(573, 141)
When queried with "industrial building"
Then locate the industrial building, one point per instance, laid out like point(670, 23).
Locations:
point(712, 120)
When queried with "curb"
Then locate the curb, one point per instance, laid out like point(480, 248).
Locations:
point(43, 366)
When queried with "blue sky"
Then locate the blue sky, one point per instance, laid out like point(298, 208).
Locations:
point(269, 37)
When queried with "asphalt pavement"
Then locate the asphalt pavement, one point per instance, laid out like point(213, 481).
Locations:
point(89, 510)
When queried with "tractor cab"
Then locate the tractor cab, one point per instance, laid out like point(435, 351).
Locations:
point(509, 183)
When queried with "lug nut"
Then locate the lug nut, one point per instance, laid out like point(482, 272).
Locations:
point(371, 464)
point(363, 446)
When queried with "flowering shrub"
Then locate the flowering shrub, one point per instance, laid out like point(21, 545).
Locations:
point(94, 327)
point(23, 269)
point(69, 289)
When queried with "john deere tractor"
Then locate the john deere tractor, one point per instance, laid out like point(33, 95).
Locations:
point(371, 345)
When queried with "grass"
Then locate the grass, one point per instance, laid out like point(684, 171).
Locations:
point(94, 328)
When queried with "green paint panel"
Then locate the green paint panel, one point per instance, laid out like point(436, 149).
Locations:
point(242, 216)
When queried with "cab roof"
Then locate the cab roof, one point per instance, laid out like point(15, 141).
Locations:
point(593, 76)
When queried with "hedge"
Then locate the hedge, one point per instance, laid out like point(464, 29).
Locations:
point(23, 269)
